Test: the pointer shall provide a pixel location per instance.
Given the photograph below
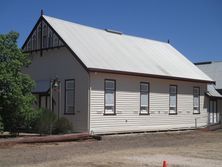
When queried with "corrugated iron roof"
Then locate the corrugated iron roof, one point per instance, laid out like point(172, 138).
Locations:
point(41, 86)
point(213, 70)
point(100, 49)
point(212, 92)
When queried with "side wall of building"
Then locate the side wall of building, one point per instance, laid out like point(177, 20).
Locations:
point(127, 116)
point(62, 64)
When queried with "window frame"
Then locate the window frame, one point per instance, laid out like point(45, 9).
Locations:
point(74, 90)
point(148, 93)
point(176, 99)
point(114, 110)
point(196, 87)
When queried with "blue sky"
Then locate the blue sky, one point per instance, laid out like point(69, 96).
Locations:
point(194, 27)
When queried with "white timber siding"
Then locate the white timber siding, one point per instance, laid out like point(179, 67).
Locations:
point(61, 63)
point(127, 116)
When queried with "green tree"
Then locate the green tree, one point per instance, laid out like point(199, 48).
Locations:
point(16, 99)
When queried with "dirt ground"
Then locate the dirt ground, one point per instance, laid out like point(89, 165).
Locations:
point(179, 149)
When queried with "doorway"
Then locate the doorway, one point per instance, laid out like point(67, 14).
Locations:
point(213, 113)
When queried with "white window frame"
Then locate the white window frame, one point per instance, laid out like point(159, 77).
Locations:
point(172, 109)
point(107, 110)
point(196, 109)
point(69, 90)
point(144, 109)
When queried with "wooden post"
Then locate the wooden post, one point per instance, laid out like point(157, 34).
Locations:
point(195, 122)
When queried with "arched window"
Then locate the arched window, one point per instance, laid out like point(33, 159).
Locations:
point(44, 36)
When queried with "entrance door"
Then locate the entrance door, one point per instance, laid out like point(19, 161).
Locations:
point(213, 114)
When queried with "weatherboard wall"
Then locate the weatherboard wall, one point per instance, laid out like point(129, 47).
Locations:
point(61, 63)
point(127, 116)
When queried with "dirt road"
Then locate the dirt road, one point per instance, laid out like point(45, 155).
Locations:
point(180, 149)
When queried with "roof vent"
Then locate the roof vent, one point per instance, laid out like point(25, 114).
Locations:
point(202, 63)
point(113, 31)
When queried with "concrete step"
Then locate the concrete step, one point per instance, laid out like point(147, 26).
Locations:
point(212, 127)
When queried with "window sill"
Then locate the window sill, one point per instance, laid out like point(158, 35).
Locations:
point(109, 114)
point(196, 113)
point(144, 114)
point(172, 113)
point(69, 113)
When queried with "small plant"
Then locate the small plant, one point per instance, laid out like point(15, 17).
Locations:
point(62, 126)
point(46, 122)
point(1, 125)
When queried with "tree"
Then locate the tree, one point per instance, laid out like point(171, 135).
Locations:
point(16, 99)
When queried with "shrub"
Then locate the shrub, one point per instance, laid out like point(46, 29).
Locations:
point(16, 98)
point(32, 120)
point(62, 126)
point(1, 125)
point(46, 122)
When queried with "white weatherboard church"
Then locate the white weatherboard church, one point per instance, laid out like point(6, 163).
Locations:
point(104, 81)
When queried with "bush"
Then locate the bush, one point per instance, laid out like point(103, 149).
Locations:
point(45, 122)
point(1, 125)
point(32, 120)
point(62, 126)
point(16, 98)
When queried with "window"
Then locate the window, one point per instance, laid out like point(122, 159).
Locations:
point(196, 100)
point(69, 96)
point(144, 98)
point(110, 97)
point(173, 99)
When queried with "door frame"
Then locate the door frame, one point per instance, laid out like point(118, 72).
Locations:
point(215, 111)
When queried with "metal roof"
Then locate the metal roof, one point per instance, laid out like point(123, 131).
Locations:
point(212, 92)
point(213, 70)
point(101, 49)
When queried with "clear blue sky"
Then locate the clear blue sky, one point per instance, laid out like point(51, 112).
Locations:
point(194, 27)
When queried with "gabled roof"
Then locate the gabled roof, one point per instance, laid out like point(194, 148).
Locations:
point(214, 70)
point(104, 50)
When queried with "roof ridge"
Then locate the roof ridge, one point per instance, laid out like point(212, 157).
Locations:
point(105, 30)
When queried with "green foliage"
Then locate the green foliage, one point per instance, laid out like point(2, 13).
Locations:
point(62, 126)
point(15, 87)
point(32, 119)
point(46, 122)
point(1, 125)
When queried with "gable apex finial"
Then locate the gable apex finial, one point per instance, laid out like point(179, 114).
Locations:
point(42, 12)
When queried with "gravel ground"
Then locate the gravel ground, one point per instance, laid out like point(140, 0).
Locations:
point(179, 149)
